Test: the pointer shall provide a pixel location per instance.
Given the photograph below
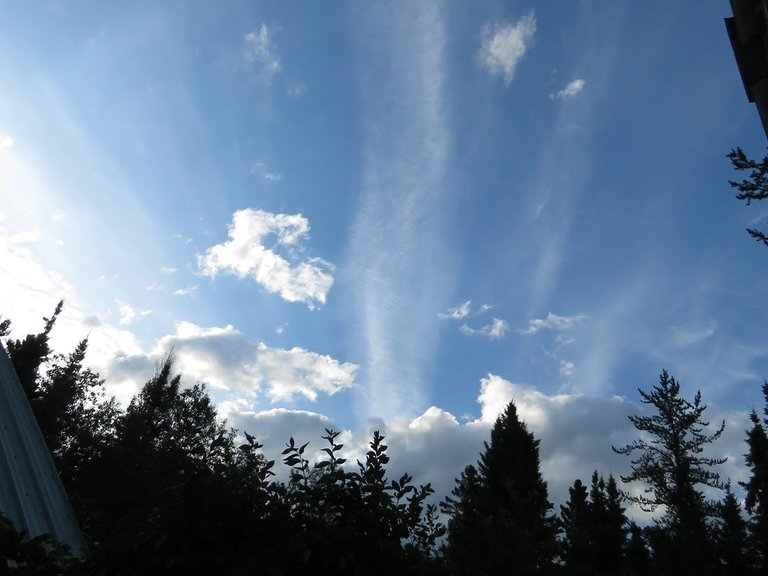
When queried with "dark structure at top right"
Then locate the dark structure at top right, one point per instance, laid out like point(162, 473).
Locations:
point(748, 31)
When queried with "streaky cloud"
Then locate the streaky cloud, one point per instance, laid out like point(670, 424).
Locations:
point(400, 263)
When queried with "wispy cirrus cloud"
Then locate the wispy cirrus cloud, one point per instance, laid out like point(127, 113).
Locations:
point(260, 52)
point(553, 322)
point(571, 89)
point(400, 258)
point(457, 313)
point(263, 170)
point(503, 45)
point(495, 330)
point(246, 255)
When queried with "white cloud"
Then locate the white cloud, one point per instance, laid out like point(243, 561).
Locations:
point(262, 170)
point(187, 291)
point(245, 255)
point(128, 313)
point(6, 142)
point(496, 329)
point(567, 368)
point(225, 359)
point(58, 216)
point(259, 51)
point(576, 434)
point(553, 322)
point(461, 311)
point(687, 335)
point(493, 331)
point(168, 270)
point(401, 260)
point(504, 45)
point(572, 89)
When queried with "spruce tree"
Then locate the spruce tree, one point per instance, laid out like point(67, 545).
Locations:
point(500, 520)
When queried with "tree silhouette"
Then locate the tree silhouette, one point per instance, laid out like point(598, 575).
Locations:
point(27, 355)
point(756, 500)
point(731, 537)
point(593, 523)
point(670, 462)
point(499, 511)
point(754, 187)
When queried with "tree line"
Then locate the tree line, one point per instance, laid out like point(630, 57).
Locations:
point(163, 487)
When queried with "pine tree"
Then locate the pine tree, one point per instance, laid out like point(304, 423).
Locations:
point(500, 518)
point(673, 468)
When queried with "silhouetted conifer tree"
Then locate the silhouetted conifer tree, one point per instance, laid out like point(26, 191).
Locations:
point(670, 462)
point(731, 537)
point(754, 187)
point(27, 355)
point(756, 501)
point(500, 520)
point(593, 523)
point(577, 539)
point(637, 558)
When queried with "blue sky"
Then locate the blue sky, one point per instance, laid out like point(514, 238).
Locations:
point(394, 215)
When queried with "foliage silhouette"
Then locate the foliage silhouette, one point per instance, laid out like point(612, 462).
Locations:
point(754, 187)
point(671, 464)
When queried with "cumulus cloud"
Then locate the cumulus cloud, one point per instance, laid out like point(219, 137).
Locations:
point(576, 434)
point(504, 45)
point(225, 359)
point(553, 322)
point(245, 255)
point(259, 51)
point(571, 89)
point(128, 313)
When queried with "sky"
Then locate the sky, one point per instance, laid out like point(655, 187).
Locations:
point(391, 215)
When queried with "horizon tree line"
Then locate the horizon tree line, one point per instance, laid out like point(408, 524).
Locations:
point(163, 487)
